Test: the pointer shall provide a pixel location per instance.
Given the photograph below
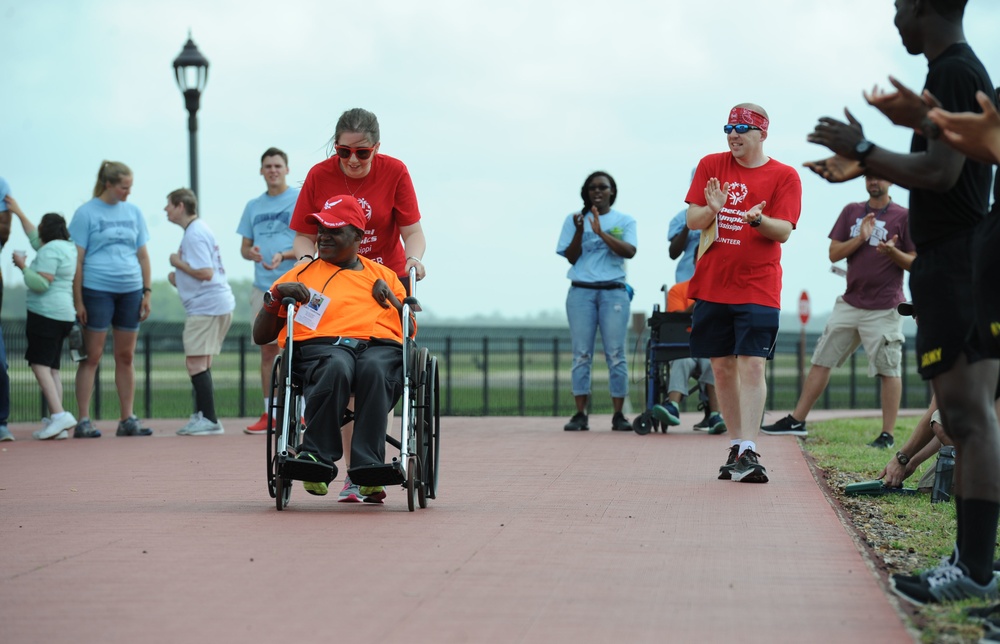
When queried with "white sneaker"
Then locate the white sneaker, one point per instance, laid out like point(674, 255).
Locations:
point(55, 427)
point(5, 434)
point(191, 421)
point(201, 427)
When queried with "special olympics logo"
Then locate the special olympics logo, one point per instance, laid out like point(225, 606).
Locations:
point(737, 193)
point(367, 207)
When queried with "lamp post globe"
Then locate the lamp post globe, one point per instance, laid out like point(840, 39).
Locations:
point(191, 72)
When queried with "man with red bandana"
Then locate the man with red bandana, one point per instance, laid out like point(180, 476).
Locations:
point(746, 205)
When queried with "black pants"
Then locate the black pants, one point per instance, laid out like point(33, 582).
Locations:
point(328, 375)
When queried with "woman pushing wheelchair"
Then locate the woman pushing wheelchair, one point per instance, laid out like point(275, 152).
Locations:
point(347, 336)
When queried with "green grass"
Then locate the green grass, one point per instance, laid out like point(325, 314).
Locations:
point(925, 529)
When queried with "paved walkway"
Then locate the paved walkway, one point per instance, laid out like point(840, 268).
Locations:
point(537, 535)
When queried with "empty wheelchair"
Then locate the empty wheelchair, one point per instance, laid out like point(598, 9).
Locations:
point(417, 465)
point(669, 339)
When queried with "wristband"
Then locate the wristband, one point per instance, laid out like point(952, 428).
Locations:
point(146, 289)
point(416, 259)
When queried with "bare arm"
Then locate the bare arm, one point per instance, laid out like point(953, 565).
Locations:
point(81, 311)
point(617, 246)
point(147, 277)
point(841, 249)
point(899, 257)
point(14, 207)
point(679, 242)
point(414, 245)
point(575, 248)
point(203, 274)
point(303, 245)
point(268, 324)
point(977, 135)
point(937, 169)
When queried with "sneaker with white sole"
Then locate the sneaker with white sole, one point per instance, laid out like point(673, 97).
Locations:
point(726, 471)
point(5, 435)
point(748, 468)
point(351, 492)
point(787, 426)
point(716, 425)
point(201, 426)
point(259, 427)
point(55, 427)
point(947, 583)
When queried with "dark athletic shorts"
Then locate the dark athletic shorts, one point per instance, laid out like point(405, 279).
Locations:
point(45, 340)
point(986, 286)
point(719, 330)
point(941, 286)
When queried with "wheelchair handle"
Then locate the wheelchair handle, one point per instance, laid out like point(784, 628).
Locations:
point(413, 281)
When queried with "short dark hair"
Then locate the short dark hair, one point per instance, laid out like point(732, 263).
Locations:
point(51, 227)
point(186, 198)
point(950, 9)
point(273, 152)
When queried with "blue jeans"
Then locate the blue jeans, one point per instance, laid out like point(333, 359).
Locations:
point(590, 309)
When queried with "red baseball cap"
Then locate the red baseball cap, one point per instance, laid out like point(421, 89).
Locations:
point(339, 211)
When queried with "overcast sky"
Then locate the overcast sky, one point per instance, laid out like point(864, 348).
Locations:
point(499, 109)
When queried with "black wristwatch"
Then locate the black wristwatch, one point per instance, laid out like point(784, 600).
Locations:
point(756, 222)
point(902, 458)
point(863, 149)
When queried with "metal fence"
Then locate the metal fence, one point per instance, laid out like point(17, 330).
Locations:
point(500, 371)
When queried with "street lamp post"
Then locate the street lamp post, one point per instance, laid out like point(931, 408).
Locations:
point(191, 71)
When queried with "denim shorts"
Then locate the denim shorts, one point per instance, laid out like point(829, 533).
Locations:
point(117, 310)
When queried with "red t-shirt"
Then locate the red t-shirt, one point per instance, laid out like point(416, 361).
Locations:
point(742, 266)
point(386, 195)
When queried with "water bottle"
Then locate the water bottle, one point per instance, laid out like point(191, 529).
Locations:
point(943, 472)
point(77, 350)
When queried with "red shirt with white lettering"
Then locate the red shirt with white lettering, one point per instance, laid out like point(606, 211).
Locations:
point(385, 194)
point(742, 266)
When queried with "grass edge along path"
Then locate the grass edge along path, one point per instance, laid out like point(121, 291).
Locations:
point(894, 533)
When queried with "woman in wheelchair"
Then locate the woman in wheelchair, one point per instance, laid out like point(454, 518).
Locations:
point(347, 336)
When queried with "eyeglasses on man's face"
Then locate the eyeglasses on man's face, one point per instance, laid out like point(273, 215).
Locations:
point(740, 128)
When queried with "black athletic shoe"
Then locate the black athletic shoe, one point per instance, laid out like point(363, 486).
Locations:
point(748, 469)
point(884, 441)
point(619, 423)
point(787, 426)
point(578, 423)
point(705, 422)
point(726, 471)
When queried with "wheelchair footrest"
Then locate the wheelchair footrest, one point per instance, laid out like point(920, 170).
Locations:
point(384, 474)
point(301, 470)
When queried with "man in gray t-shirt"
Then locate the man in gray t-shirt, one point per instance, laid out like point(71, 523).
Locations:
point(874, 237)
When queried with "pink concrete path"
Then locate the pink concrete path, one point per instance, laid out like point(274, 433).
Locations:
point(537, 535)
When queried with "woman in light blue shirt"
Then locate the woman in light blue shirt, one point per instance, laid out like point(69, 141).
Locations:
point(111, 289)
point(597, 241)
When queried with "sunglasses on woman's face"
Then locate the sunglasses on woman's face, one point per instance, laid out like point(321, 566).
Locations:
point(345, 152)
point(741, 128)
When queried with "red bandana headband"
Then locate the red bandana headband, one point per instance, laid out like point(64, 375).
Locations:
point(749, 117)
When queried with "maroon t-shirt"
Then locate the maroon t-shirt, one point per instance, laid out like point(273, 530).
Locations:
point(874, 282)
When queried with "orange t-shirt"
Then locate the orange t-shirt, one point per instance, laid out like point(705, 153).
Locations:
point(677, 298)
point(352, 311)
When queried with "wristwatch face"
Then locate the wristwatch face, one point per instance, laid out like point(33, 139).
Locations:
point(268, 298)
point(902, 458)
point(863, 147)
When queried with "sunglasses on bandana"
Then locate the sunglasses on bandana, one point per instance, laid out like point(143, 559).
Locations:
point(741, 128)
point(345, 152)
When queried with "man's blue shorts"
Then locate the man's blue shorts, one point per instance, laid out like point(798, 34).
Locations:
point(118, 310)
point(719, 330)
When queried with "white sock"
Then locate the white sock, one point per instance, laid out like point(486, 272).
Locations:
point(59, 415)
point(745, 445)
point(735, 442)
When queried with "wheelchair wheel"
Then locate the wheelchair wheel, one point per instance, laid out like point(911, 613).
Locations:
point(273, 435)
point(411, 481)
point(432, 431)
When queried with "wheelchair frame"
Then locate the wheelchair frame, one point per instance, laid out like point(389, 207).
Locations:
point(415, 469)
point(669, 339)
